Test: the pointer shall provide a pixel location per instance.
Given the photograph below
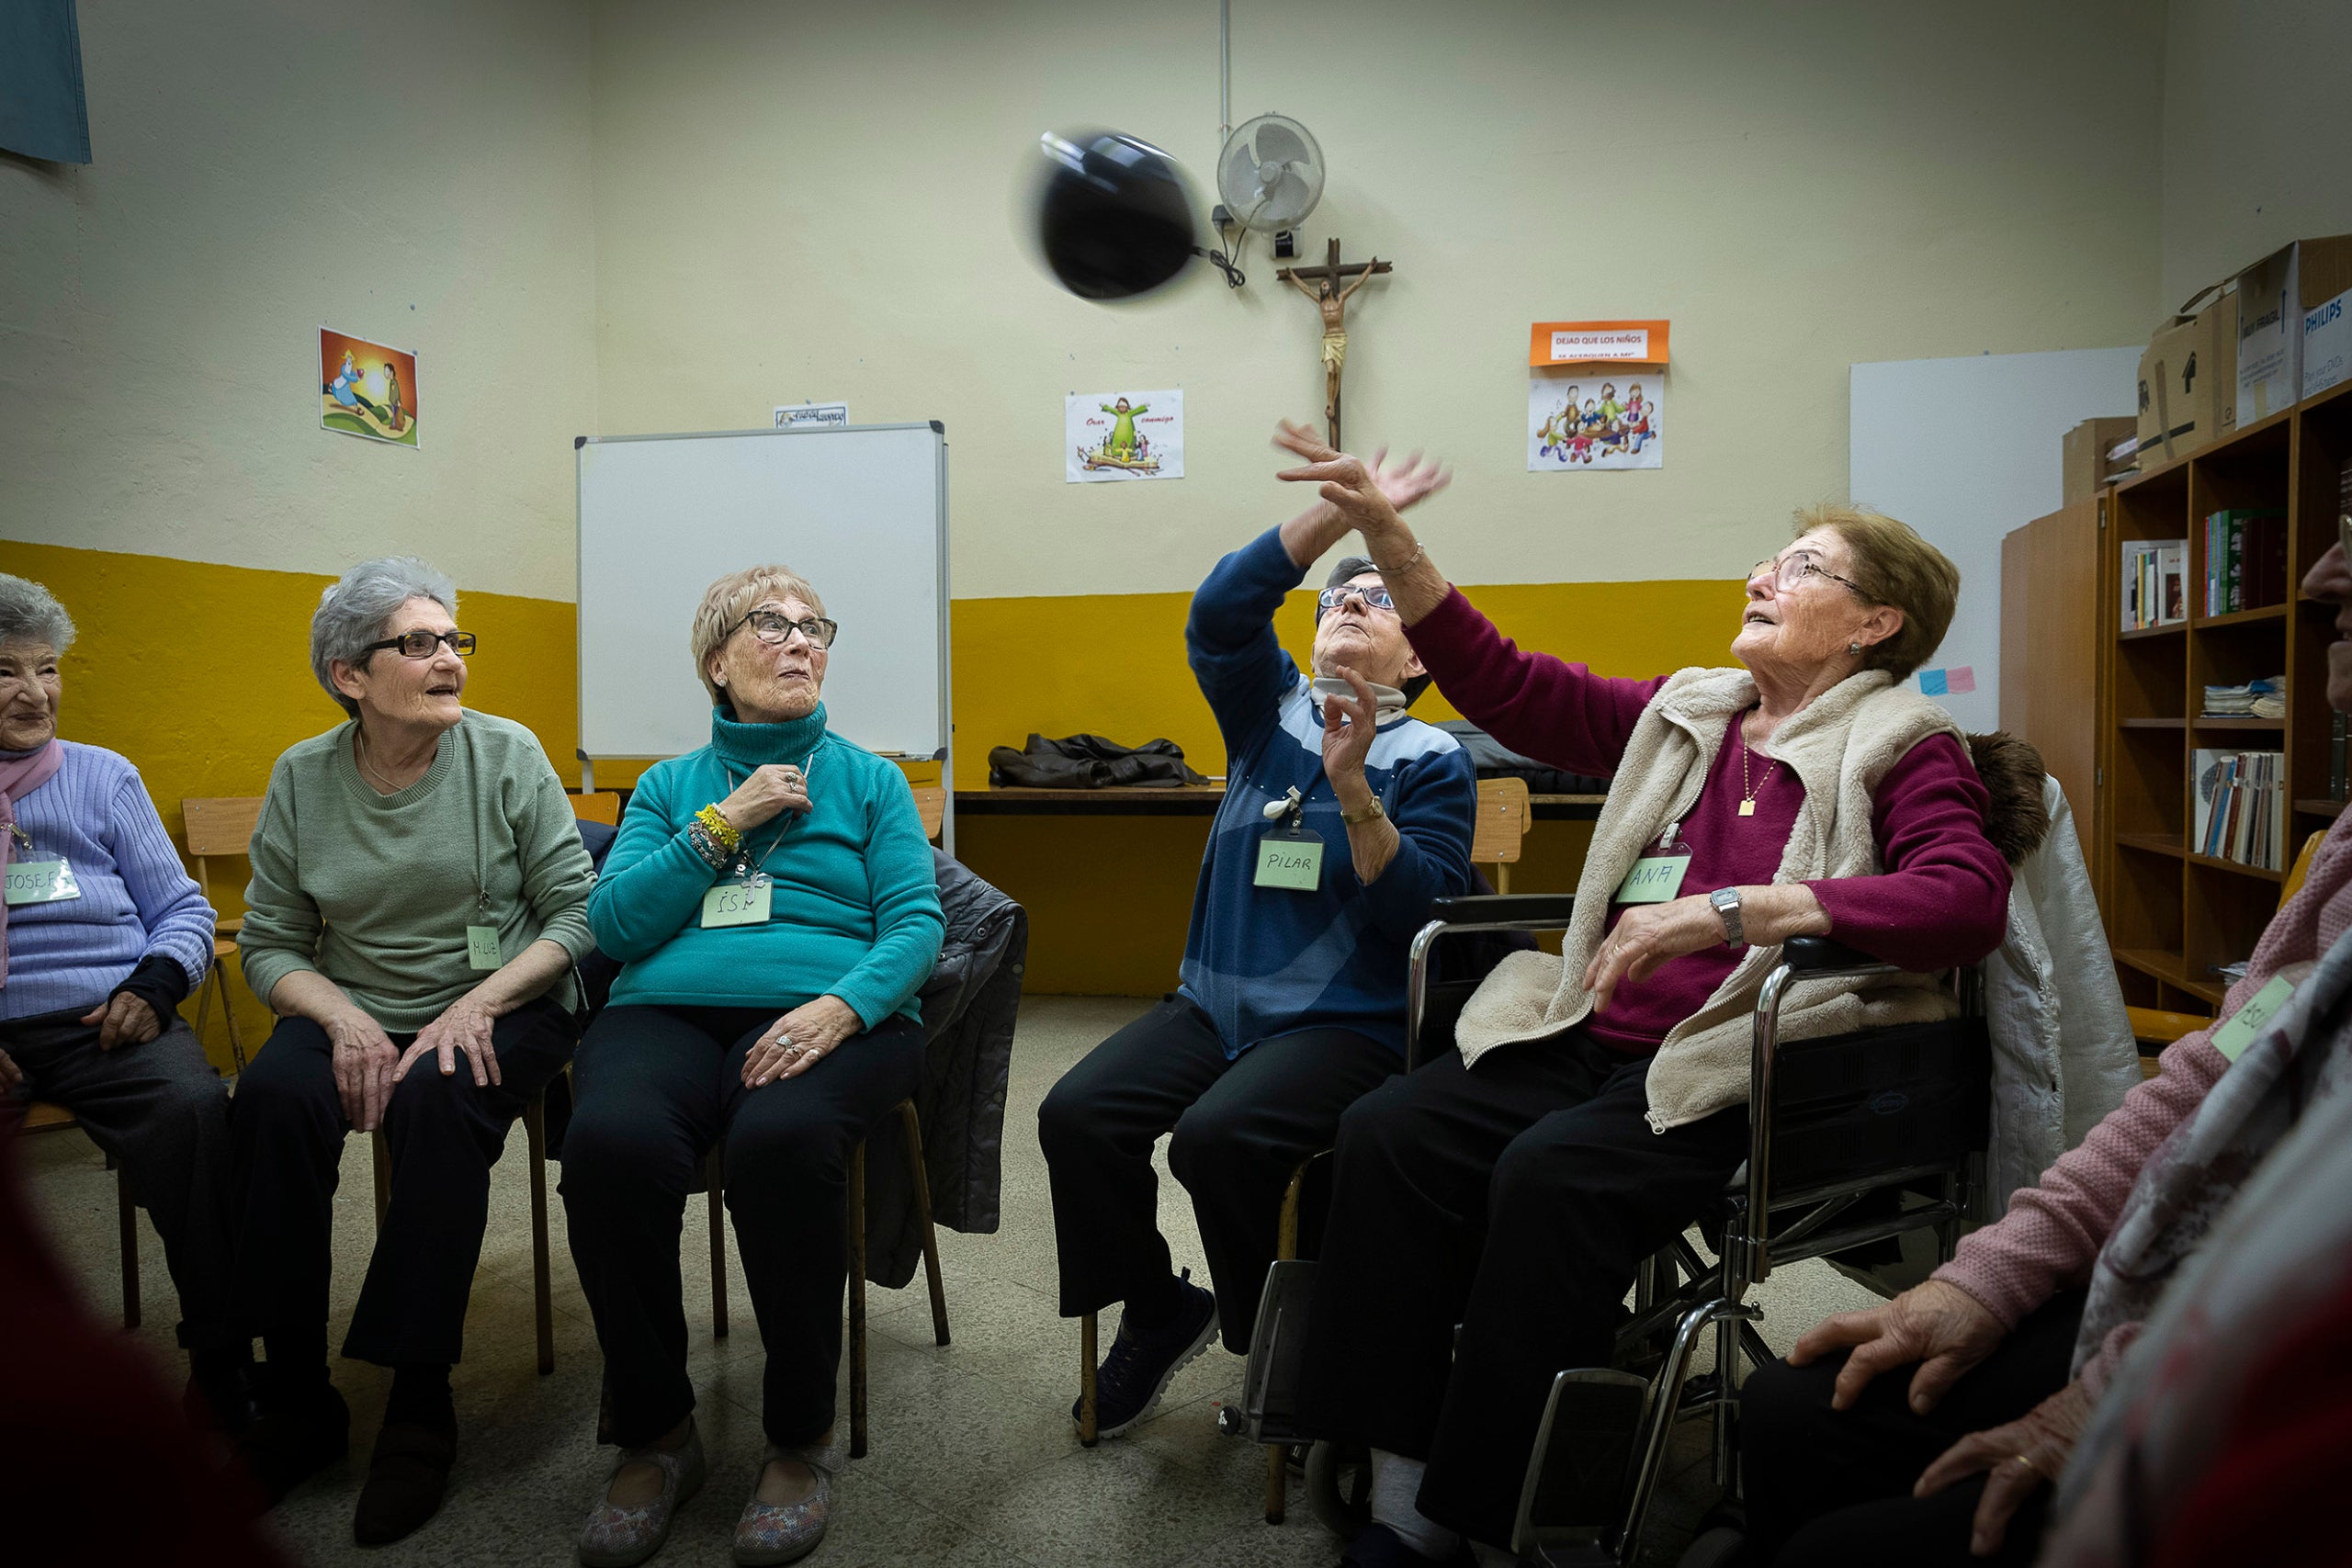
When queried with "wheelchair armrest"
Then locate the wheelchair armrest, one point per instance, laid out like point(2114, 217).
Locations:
point(1818, 955)
point(1520, 909)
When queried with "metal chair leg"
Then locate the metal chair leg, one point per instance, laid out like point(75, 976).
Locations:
point(913, 1124)
point(127, 1205)
point(1087, 1433)
point(534, 1131)
point(855, 1218)
point(714, 1182)
point(1286, 1249)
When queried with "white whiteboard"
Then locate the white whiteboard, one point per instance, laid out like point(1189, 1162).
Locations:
point(860, 510)
point(1965, 450)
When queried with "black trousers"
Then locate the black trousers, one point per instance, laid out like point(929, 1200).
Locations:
point(285, 1136)
point(1832, 1487)
point(1515, 1200)
point(161, 1110)
point(1241, 1128)
point(653, 1089)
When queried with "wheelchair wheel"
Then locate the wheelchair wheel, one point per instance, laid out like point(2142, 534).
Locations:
point(1713, 1549)
point(1338, 1488)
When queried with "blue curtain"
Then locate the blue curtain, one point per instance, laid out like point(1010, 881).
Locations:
point(43, 114)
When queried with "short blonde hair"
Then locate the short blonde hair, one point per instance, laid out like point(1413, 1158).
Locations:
point(1893, 565)
point(725, 603)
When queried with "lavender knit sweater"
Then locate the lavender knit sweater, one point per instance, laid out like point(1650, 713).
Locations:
point(136, 899)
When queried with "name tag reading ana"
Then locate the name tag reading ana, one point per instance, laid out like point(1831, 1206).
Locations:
point(1292, 860)
point(40, 882)
point(737, 904)
point(2231, 1039)
point(1654, 879)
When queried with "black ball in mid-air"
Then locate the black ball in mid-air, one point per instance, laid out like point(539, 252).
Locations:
point(1113, 214)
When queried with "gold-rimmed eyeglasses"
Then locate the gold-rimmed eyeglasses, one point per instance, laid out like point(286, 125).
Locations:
point(1795, 568)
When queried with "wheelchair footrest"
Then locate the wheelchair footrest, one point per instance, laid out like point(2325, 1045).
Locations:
point(1574, 1492)
point(1277, 1355)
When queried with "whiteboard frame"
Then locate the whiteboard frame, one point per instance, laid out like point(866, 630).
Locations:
point(945, 753)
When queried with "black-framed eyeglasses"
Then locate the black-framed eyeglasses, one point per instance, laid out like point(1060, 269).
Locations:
point(776, 627)
point(1375, 597)
point(420, 645)
point(1792, 568)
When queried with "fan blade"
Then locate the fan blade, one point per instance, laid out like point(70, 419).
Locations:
point(1237, 181)
point(1278, 143)
point(1291, 200)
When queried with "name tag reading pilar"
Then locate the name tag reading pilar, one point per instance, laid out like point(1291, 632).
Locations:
point(1292, 860)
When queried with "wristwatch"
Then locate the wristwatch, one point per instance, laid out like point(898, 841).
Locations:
point(1372, 813)
point(1726, 903)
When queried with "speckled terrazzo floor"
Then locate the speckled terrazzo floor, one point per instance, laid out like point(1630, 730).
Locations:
point(973, 1460)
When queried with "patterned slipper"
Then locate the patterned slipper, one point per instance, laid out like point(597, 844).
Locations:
point(769, 1533)
point(622, 1538)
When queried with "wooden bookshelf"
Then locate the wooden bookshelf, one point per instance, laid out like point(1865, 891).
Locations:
point(2172, 914)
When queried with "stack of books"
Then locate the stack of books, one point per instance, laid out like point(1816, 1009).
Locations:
point(2241, 808)
point(2155, 583)
point(2256, 699)
point(2246, 559)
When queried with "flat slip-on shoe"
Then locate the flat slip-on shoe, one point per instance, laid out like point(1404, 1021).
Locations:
point(622, 1538)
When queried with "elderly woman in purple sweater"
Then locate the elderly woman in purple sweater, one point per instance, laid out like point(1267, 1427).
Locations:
point(1597, 1099)
point(101, 936)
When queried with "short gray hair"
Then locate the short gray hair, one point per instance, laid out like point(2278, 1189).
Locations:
point(29, 612)
point(356, 608)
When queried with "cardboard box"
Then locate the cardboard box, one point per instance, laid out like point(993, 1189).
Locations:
point(2087, 445)
point(2285, 299)
point(2189, 384)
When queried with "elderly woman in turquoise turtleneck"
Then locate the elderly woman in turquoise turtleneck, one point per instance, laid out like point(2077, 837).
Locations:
point(773, 902)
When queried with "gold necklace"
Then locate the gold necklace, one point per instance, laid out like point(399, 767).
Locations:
point(1749, 793)
point(381, 783)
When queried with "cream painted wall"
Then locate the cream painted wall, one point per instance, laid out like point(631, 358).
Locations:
point(809, 201)
point(2257, 140)
point(418, 173)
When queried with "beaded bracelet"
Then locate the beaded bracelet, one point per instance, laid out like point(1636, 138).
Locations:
point(713, 854)
point(714, 822)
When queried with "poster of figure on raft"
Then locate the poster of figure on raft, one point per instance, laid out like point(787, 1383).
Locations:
point(1123, 436)
point(365, 388)
point(1596, 417)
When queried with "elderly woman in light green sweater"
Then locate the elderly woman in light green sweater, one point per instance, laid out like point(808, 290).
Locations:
point(419, 897)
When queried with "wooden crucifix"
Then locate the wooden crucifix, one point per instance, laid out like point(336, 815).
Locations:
point(1322, 285)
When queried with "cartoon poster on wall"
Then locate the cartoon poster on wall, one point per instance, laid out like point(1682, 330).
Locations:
point(1596, 396)
point(1109, 436)
point(366, 388)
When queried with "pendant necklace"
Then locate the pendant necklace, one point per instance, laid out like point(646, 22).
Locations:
point(1748, 792)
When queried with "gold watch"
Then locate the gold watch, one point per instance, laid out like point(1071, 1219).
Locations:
point(1372, 813)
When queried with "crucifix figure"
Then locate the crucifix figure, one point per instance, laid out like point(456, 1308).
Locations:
point(1321, 283)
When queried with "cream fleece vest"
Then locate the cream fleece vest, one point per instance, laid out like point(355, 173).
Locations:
point(1840, 745)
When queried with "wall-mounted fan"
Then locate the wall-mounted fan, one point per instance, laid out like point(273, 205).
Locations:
point(1268, 177)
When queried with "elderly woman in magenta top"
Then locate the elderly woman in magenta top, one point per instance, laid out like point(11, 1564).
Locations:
point(1597, 1099)
point(773, 900)
point(419, 888)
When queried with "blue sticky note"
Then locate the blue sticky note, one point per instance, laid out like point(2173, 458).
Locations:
point(1934, 683)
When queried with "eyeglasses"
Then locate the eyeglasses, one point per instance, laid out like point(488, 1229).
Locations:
point(420, 645)
point(1375, 598)
point(1791, 569)
point(776, 627)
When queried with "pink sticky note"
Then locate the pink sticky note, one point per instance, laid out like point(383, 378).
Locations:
point(1963, 676)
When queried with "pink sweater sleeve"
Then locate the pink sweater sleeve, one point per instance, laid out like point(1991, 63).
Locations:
point(1538, 705)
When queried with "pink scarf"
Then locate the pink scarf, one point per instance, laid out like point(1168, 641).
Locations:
point(19, 776)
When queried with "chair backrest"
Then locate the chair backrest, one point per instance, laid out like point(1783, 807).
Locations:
point(218, 825)
point(1501, 829)
point(604, 806)
point(2297, 874)
point(931, 804)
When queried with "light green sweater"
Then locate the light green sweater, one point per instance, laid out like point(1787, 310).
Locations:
point(376, 891)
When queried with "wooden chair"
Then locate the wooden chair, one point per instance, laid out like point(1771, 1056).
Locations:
point(603, 806)
point(1504, 817)
point(2159, 1027)
point(219, 826)
point(930, 802)
point(42, 1117)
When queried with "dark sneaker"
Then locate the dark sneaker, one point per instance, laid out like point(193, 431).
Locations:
point(1142, 1362)
point(297, 1436)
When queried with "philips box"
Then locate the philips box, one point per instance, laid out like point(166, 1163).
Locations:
point(2293, 339)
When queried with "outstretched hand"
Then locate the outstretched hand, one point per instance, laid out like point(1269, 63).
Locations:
point(1370, 496)
point(1349, 726)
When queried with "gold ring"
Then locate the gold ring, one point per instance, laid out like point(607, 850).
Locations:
point(2031, 1466)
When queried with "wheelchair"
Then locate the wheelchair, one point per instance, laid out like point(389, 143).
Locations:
point(1854, 1140)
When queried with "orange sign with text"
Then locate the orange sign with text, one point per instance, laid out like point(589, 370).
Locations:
point(1596, 342)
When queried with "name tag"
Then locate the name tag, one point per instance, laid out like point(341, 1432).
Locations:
point(1292, 860)
point(481, 947)
point(40, 882)
point(737, 904)
point(2231, 1039)
point(1654, 879)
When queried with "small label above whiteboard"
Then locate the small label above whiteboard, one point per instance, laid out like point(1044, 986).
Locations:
point(811, 416)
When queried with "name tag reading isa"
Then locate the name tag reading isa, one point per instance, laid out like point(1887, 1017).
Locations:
point(737, 904)
point(1654, 879)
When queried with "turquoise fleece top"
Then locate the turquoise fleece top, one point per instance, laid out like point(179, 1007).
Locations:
point(855, 911)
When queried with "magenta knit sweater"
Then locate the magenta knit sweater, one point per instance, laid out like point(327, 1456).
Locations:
point(2053, 1233)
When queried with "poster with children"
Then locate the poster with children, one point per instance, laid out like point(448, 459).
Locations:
point(1111, 436)
point(366, 388)
point(1596, 417)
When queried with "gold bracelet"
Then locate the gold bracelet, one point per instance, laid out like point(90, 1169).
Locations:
point(1401, 565)
point(1372, 813)
point(714, 822)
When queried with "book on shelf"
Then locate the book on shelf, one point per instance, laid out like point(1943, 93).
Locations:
point(2246, 559)
point(2154, 583)
point(2265, 698)
point(2239, 807)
